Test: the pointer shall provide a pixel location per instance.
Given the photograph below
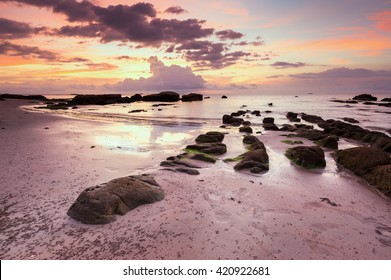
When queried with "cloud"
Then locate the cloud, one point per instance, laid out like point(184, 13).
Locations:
point(211, 55)
point(10, 29)
point(7, 48)
point(163, 77)
point(382, 20)
point(229, 34)
point(136, 23)
point(284, 65)
point(175, 10)
point(343, 72)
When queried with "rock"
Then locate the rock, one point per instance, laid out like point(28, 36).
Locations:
point(2, 99)
point(365, 97)
point(380, 177)
point(292, 117)
point(259, 155)
point(218, 135)
point(270, 126)
point(210, 137)
point(370, 103)
point(96, 99)
point(99, 204)
point(26, 97)
point(361, 160)
point(238, 113)
point(311, 134)
point(209, 148)
point(250, 139)
point(288, 127)
point(136, 97)
point(189, 171)
point(311, 118)
point(250, 165)
point(383, 143)
point(268, 120)
point(256, 170)
point(203, 157)
point(304, 126)
point(137, 111)
point(246, 129)
point(307, 156)
point(192, 97)
point(330, 142)
point(256, 113)
point(164, 96)
point(227, 119)
point(350, 120)
point(224, 97)
point(386, 99)
point(246, 123)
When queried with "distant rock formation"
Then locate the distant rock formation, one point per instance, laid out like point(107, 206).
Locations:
point(192, 97)
point(100, 204)
point(365, 97)
point(99, 99)
point(164, 96)
point(26, 97)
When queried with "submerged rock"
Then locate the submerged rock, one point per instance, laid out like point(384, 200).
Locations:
point(307, 156)
point(100, 204)
point(293, 117)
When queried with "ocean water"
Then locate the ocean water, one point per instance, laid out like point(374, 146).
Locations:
point(171, 127)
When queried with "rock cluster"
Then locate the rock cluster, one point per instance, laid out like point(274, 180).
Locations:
point(309, 157)
point(256, 160)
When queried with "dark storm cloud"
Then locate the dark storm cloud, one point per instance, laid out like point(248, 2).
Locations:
point(10, 29)
point(229, 34)
point(283, 65)
point(175, 10)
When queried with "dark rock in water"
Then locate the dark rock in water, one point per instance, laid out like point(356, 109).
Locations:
point(246, 123)
point(224, 97)
point(292, 117)
point(238, 113)
point(137, 111)
point(270, 126)
point(99, 99)
point(330, 142)
point(136, 97)
point(250, 139)
point(99, 204)
point(227, 119)
point(361, 160)
point(256, 113)
point(350, 120)
point(250, 164)
point(192, 97)
point(26, 97)
point(311, 118)
point(206, 97)
point(384, 105)
point(270, 104)
point(268, 120)
point(386, 99)
point(380, 177)
point(189, 171)
point(164, 96)
point(307, 156)
point(288, 127)
point(268, 111)
point(209, 148)
point(370, 103)
point(2, 99)
point(365, 97)
point(245, 129)
point(256, 159)
point(304, 126)
point(210, 137)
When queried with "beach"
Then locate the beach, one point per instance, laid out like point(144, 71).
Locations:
point(48, 160)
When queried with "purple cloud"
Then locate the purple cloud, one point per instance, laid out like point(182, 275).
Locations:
point(175, 10)
point(10, 29)
point(345, 73)
point(163, 77)
point(284, 65)
point(229, 34)
point(7, 48)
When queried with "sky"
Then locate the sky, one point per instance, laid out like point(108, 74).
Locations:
point(257, 46)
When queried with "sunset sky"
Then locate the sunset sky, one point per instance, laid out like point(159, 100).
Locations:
point(70, 46)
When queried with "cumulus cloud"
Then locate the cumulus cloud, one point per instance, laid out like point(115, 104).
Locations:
point(175, 10)
point(284, 65)
point(228, 34)
point(163, 77)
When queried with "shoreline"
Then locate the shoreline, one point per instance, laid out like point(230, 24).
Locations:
point(220, 214)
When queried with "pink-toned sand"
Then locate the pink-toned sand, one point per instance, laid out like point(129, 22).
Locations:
point(46, 161)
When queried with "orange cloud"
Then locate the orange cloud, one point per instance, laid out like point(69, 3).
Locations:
point(382, 20)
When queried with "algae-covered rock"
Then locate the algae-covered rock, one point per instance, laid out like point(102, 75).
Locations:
point(100, 204)
point(307, 156)
point(380, 177)
point(330, 142)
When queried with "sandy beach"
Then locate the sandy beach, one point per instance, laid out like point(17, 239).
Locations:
point(47, 161)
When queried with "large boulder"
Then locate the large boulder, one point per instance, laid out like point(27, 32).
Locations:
point(330, 142)
point(100, 204)
point(361, 160)
point(192, 97)
point(307, 156)
point(164, 96)
point(365, 97)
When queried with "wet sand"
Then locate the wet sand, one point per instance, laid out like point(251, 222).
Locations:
point(46, 161)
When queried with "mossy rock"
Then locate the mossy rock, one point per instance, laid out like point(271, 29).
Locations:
point(330, 142)
point(309, 157)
